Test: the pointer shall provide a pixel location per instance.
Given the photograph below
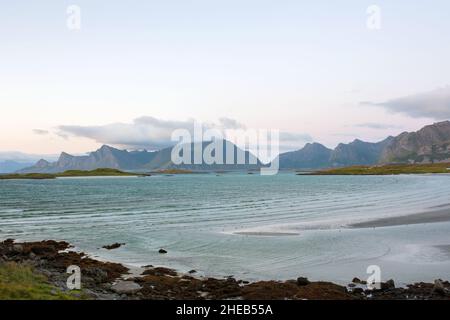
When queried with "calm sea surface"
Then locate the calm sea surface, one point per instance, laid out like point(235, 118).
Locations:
point(293, 225)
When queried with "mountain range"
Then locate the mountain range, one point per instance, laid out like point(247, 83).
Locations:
point(429, 144)
point(109, 157)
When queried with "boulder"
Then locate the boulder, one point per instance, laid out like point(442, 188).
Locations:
point(388, 285)
point(125, 287)
point(439, 287)
point(302, 281)
point(356, 280)
point(17, 248)
point(113, 246)
point(162, 251)
point(97, 274)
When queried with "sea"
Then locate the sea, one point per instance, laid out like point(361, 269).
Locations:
point(248, 226)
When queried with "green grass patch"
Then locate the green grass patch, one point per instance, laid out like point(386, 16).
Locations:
point(102, 172)
point(94, 173)
point(388, 169)
point(27, 176)
point(21, 282)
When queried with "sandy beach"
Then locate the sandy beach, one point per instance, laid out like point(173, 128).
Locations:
point(417, 218)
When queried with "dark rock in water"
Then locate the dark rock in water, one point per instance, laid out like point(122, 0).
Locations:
point(351, 285)
point(439, 287)
point(113, 246)
point(148, 266)
point(302, 281)
point(162, 251)
point(192, 271)
point(356, 280)
point(390, 284)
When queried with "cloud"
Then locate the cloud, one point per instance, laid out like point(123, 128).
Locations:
point(144, 132)
point(152, 133)
point(228, 123)
point(377, 126)
point(433, 104)
point(293, 141)
point(40, 132)
point(289, 136)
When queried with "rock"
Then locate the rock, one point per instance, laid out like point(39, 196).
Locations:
point(302, 281)
point(8, 241)
point(388, 285)
point(162, 251)
point(193, 271)
point(351, 285)
point(32, 255)
point(17, 248)
point(125, 287)
point(358, 290)
point(113, 246)
point(439, 287)
point(97, 274)
point(356, 280)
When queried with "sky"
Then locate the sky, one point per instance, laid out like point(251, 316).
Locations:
point(135, 70)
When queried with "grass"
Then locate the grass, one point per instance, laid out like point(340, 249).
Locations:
point(94, 173)
point(27, 176)
point(388, 169)
point(70, 173)
point(21, 282)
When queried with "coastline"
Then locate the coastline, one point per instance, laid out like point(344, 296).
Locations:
point(442, 215)
point(102, 280)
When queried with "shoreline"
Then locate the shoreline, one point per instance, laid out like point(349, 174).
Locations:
point(103, 280)
point(442, 215)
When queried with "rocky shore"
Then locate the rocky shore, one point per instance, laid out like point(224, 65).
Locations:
point(107, 280)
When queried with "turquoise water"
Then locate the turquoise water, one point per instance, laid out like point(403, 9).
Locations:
point(197, 218)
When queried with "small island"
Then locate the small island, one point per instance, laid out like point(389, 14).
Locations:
point(101, 172)
point(390, 169)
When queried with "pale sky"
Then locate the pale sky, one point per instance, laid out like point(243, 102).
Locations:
point(308, 68)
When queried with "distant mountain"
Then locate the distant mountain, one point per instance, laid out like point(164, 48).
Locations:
point(358, 153)
point(316, 156)
point(429, 144)
point(162, 160)
point(9, 166)
point(109, 157)
point(312, 156)
point(13, 161)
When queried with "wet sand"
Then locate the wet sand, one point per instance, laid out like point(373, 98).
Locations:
point(417, 218)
